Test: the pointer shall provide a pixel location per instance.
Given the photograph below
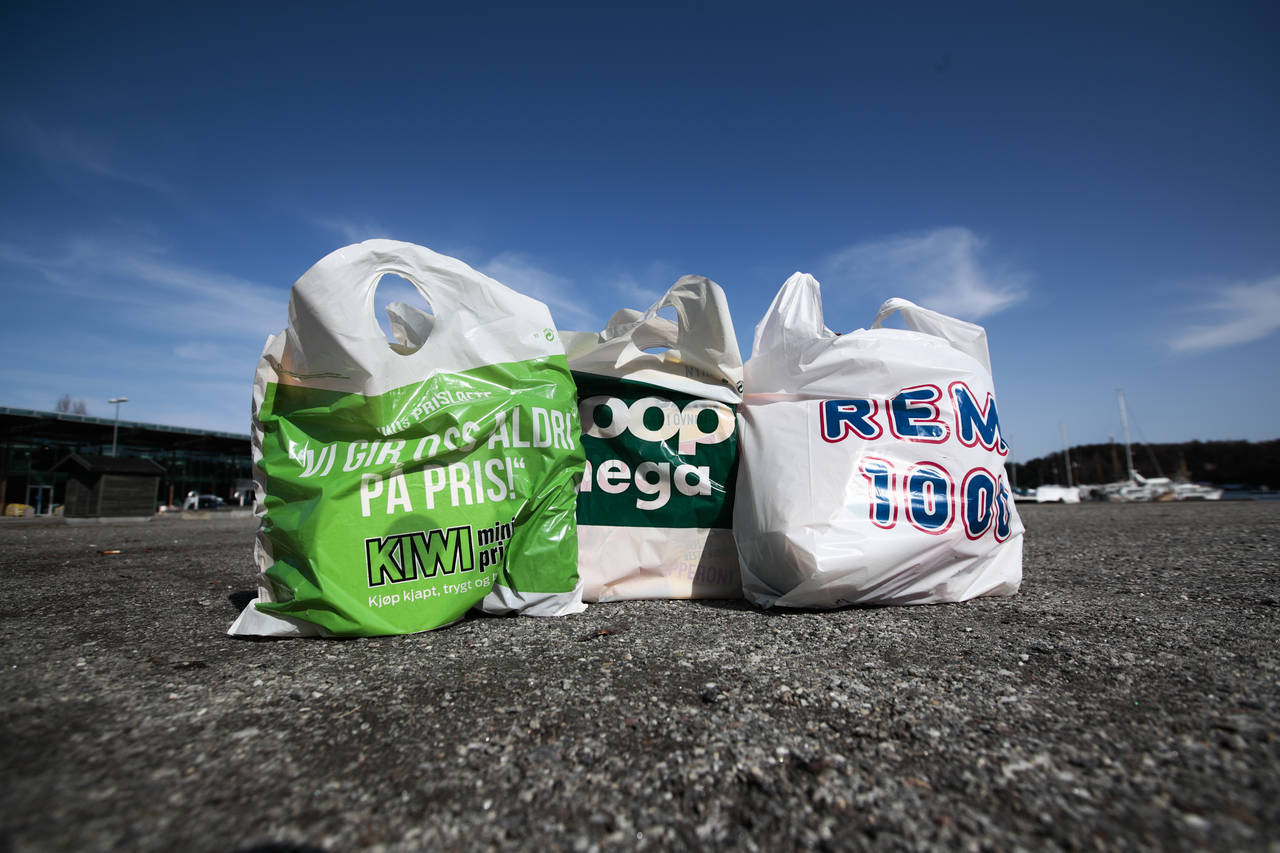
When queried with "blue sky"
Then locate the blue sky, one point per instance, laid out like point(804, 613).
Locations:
point(1095, 183)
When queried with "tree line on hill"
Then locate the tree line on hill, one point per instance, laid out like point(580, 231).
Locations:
point(1250, 464)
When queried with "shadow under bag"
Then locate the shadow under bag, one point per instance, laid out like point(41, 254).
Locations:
point(872, 464)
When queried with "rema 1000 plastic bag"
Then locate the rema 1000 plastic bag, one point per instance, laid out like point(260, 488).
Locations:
point(400, 485)
point(872, 462)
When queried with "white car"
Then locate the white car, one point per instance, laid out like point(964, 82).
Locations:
point(203, 502)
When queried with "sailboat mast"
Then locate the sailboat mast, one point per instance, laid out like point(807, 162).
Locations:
point(1066, 452)
point(1124, 421)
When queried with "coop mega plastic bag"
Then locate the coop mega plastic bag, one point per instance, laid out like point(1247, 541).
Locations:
point(657, 404)
point(399, 485)
point(872, 466)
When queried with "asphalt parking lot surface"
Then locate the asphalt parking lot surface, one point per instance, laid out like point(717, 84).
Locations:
point(1127, 698)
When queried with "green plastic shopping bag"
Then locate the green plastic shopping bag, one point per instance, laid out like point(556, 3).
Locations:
point(400, 485)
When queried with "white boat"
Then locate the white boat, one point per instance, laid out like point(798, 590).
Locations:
point(1057, 495)
point(1140, 489)
point(1196, 492)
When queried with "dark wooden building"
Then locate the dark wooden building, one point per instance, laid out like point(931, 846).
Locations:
point(110, 485)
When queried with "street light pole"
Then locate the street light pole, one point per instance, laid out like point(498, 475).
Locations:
point(116, 429)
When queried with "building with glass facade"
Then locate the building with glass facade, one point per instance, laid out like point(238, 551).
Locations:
point(201, 461)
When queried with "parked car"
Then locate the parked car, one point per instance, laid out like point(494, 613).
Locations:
point(203, 502)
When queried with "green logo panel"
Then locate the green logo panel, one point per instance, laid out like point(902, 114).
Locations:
point(655, 457)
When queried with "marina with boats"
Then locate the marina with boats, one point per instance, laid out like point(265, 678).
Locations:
point(1134, 487)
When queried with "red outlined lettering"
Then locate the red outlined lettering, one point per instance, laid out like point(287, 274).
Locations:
point(929, 494)
point(976, 424)
point(914, 415)
point(883, 481)
point(841, 418)
point(980, 496)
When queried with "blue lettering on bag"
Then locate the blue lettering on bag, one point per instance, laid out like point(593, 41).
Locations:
point(842, 417)
point(977, 424)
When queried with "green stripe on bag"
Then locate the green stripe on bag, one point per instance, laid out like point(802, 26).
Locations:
point(399, 512)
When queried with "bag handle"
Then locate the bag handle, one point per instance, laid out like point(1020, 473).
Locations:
point(969, 338)
point(795, 315)
point(331, 307)
point(410, 325)
point(702, 334)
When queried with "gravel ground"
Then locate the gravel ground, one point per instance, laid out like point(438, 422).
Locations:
point(1128, 698)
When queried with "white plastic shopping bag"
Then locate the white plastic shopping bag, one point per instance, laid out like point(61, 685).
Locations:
point(657, 404)
point(872, 467)
point(401, 484)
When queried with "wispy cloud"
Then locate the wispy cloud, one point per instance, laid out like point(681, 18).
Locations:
point(1239, 313)
point(221, 301)
point(647, 287)
point(634, 294)
point(351, 230)
point(941, 269)
point(199, 351)
point(51, 269)
point(63, 149)
point(522, 273)
point(161, 296)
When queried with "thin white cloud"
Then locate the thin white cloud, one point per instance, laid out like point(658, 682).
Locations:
point(202, 351)
point(58, 268)
point(940, 269)
point(62, 149)
point(643, 289)
point(226, 301)
point(635, 294)
point(639, 293)
point(1241, 312)
point(162, 296)
point(521, 273)
point(350, 230)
